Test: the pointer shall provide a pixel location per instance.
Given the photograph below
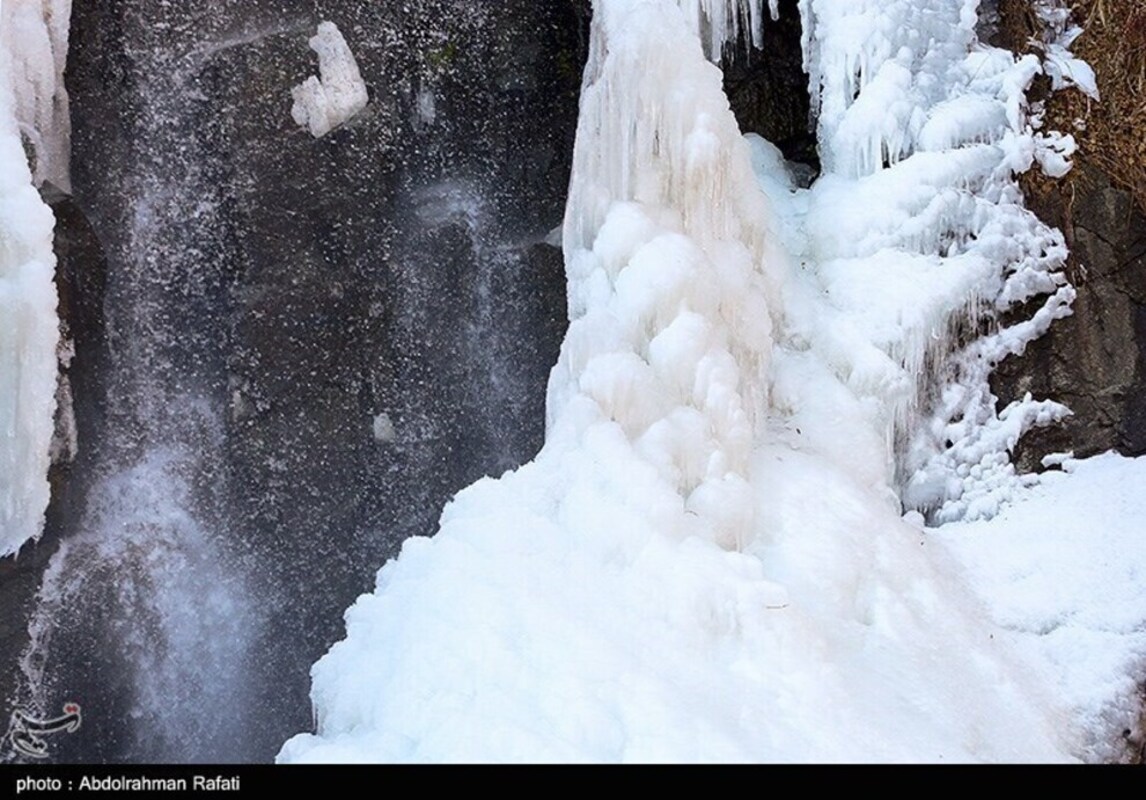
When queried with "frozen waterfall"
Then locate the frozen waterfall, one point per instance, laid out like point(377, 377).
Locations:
point(707, 559)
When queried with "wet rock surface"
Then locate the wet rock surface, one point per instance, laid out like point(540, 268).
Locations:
point(1095, 360)
point(318, 340)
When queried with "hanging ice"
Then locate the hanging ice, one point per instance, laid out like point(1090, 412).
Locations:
point(33, 122)
point(922, 130)
point(35, 38)
point(1058, 34)
point(322, 104)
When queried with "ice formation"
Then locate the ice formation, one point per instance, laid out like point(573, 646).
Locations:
point(33, 123)
point(922, 130)
point(323, 103)
point(707, 559)
point(1059, 32)
point(671, 294)
point(35, 39)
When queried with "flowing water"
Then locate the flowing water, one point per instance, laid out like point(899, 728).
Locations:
point(311, 343)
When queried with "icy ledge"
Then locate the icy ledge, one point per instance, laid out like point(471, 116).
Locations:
point(1061, 570)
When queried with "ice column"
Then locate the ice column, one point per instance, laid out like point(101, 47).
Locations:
point(669, 289)
point(33, 122)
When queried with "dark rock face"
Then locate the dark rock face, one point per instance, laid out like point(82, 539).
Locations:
point(391, 273)
point(768, 89)
point(1095, 360)
point(311, 343)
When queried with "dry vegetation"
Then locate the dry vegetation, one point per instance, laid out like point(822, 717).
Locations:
point(1110, 133)
point(1112, 137)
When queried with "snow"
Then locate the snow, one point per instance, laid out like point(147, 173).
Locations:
point(708, 561)
point(1059, 32)
point(323, 103)
point(32, 108)
point(1061, 570)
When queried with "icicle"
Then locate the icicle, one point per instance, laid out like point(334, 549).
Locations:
point(726, 21)
point(35, 44)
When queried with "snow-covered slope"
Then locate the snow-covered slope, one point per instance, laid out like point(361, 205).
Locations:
point(33, 108)
point(1061, 570)
point(707, 560)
